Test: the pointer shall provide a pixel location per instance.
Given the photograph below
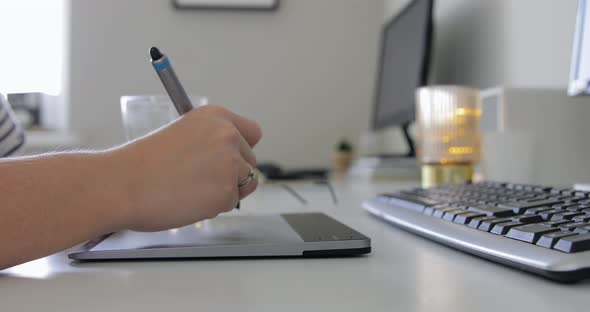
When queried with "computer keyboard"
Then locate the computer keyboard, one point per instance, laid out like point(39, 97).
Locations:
point(539, 229)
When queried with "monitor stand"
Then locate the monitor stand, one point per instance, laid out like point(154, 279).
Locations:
point(409, 141)
point(389, 165)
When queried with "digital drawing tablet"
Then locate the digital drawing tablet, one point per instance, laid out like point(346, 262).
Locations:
point(284, 235)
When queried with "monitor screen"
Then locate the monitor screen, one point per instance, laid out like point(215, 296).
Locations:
point(403, 65)
point(580, 70)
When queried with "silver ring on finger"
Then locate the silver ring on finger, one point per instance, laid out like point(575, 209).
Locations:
point(251, 176)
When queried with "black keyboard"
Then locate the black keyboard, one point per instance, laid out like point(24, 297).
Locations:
point(539, 229)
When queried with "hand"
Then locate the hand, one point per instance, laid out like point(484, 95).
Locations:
point(188, 171)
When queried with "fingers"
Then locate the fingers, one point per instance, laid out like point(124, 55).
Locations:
point(242, 134)
point(249, 183)
point(249, 128)
point(247, 153)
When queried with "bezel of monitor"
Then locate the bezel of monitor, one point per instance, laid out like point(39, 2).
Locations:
point(407, 116)
point(578, 85)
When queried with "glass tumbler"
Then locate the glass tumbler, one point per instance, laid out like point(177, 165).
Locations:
point(143, 114)
point(449, 137)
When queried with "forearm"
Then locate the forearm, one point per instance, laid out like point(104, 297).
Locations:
point(186, 172)
point(50, 203)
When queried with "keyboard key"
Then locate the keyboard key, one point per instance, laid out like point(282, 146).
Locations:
point(520, 207)
point(563, 206)
point(549, 240)
point(492, 184)
point(472, 201)
point(526, 198)
point(542, 189)
point(572, 226)
point(439, 211)
point(582, 218)
point(408, 201)
point(574, 243)
point(528, 219)
point(567, 215)
point(564, 198)
point(435, 207)
point(529, 187)
point(582, 229)
point(577, 208)
point(460, 204)
point(476, 222)
point(555, 223)
point(512, 186)
point(575, 200)
point(487, 225)
point(546, 215)
point(530, 233)
point(568, 192)
point(503, 228)
point(467, 217)
point(491, 210)
point(537, 210)
point(450, 215)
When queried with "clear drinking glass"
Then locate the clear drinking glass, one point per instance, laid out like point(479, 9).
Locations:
point(143, 114)
point(449, 137)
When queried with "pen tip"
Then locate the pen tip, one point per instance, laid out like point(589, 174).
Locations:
point(155, 54)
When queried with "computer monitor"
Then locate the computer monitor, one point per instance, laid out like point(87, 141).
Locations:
point(580, 70)
point(403, 67)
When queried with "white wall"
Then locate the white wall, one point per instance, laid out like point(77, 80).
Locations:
point(524, 43)
point(541, 41)
point(305, 72)
point(470, 45)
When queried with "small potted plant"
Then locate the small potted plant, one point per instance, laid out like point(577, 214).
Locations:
point(343, 156)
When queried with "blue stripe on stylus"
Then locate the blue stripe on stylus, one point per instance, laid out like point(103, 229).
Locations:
point(165, 64)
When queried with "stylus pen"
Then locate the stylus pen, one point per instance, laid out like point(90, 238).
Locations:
point(164, 69)
point(173, 87)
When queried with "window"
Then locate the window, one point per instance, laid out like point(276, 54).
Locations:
point(32, 33)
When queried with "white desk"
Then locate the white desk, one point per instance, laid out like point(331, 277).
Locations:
point(404, 273)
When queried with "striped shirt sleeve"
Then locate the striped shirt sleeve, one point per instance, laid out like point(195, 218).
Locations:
point(12, 137)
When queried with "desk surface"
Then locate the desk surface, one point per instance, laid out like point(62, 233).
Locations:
point(404, 273)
